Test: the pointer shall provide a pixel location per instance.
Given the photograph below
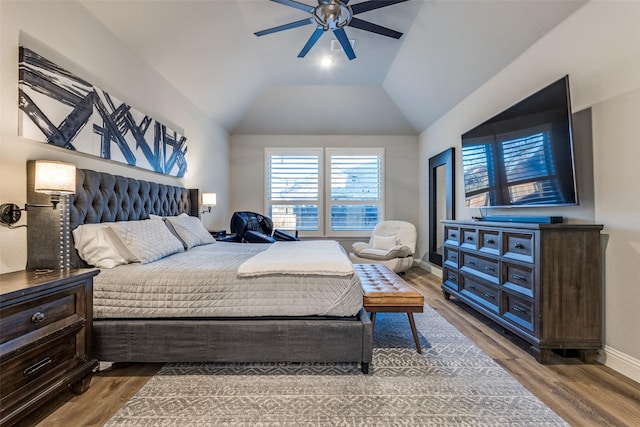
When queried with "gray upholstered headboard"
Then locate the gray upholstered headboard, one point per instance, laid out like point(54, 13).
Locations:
point(100, 197)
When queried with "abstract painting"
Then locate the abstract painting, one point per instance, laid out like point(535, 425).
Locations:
point(61, 109)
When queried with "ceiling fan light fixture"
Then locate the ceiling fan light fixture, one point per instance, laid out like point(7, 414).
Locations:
point(334, 15)
point(326, 62)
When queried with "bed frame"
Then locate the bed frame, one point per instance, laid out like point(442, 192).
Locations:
point(101, 197)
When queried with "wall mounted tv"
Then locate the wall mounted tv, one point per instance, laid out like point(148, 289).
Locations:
point(524, 155)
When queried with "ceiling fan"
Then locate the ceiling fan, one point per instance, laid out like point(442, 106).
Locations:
point(334, 15)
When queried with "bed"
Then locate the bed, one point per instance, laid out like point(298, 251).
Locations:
point(245, 317)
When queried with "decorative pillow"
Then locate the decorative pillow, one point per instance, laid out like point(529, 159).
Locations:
point(383, 255)
point(148, 240)
point(158, 217)
point(189, 229)
point(383, 242)
point(99, 246)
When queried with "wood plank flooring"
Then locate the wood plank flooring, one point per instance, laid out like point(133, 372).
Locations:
point(584, 395)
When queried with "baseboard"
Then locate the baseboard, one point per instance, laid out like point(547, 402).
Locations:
point(427, 266)
point(620, 362)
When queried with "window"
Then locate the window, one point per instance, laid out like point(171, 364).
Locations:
point(293, 189)
point(354, 198)
point(355, 202)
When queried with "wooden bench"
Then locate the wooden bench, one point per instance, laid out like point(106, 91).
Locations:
point(385, 291)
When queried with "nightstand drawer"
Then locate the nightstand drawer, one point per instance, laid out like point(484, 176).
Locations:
point(30, 316)
point(33, 368)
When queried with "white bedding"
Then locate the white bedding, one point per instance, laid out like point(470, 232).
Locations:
point(321, 257)
point(203, 282)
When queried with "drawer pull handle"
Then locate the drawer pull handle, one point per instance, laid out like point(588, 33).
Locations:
point(470, 238)
point(37, 317)
point(491, 241)
point(488, 295)
point(518, 277)
point(518, 309)
point(36, 367)
point(489, 268)
point(471, 286)
point(519, 246)
point(471, 262)
point(454, 235)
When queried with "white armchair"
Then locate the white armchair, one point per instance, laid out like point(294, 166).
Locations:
point(392, 243)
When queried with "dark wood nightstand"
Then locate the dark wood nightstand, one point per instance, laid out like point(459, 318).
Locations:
point(222, 235)
point(45, 337)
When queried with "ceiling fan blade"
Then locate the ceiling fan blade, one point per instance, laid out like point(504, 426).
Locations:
point(288, 26)
point(296, 4)
point(374, 28)
point(372, 4)
point(345, 43)
point(312, 40)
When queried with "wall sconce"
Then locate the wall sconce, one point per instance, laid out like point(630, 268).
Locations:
point(51, 177)
point(208, 200)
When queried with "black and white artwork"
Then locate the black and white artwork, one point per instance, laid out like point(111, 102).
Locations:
point(61, 109)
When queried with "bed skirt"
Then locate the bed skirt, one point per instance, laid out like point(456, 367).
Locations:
point(238, 340)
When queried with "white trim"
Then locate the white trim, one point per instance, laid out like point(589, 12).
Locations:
point(620, 362)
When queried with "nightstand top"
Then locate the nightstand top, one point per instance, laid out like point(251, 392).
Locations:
point(18, 282)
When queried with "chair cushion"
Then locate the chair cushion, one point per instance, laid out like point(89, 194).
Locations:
point(382, 254)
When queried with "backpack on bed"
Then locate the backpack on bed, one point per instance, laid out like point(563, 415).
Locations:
point(252, 227)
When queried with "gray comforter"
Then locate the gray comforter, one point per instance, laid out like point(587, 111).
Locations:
point(203, 282)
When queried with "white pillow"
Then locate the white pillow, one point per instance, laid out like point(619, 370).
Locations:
point(156, 217)
point(191, 231)
point(383, 242)
point(148, 240)
point(99, 246)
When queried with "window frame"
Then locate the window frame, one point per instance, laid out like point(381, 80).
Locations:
point(319, 152)
point(351, 151)
point(324, 201)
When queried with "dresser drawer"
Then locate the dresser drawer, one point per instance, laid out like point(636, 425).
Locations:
point(36, 314)
point(518, 278)
point(480, 292)
point(450, 278)
point(451, 257)
point(484, 267)
point(489, 241)
point(452, 235)
point(518, 310)
point(519, 246)
point(469, 238)
point(33, 368)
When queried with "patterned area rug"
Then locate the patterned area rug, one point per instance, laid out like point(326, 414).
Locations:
point(453, 383)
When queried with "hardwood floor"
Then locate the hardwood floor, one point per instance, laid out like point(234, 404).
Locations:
point(584, 395)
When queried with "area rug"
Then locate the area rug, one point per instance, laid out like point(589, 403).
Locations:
point(453, 383)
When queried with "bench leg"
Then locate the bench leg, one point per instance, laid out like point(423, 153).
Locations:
point(373, 319)
point(414, 332)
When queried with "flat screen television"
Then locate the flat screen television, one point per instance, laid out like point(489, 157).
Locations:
point(524, 155)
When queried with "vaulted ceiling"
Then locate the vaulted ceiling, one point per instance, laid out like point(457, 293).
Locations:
point(258, 85)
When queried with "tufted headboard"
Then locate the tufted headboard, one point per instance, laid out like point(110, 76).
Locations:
point(100, 197)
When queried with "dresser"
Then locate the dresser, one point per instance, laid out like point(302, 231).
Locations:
point(45, 337)
point(542, 282)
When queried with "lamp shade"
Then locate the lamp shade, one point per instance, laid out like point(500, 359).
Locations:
point(208, 199)
point(52, 177)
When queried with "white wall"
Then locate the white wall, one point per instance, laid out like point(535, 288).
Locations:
point(401, 168)
point(66, 34)
point(599, 47)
